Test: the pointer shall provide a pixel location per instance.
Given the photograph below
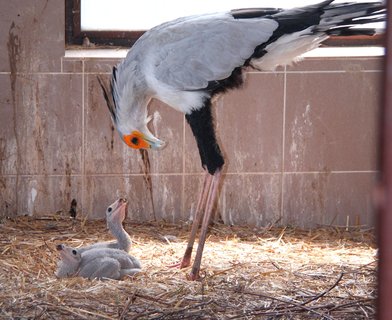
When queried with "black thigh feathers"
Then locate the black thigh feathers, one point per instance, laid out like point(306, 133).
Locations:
point(235, 80)
point(202, 125)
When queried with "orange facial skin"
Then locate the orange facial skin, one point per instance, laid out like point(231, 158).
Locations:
point(136, 140)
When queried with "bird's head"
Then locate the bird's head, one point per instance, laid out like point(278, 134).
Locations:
point(68, 253)
point(129, 118)
point(117, 212)
point(140, 138)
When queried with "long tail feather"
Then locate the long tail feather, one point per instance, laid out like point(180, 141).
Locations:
point(338, 19)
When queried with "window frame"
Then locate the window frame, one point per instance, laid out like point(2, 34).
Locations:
point(76, 38)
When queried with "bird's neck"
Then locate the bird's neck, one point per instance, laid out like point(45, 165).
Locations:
point(123, 238)
point(131, 97)
point(133, 111)
point(67, 268)
point(202, 125)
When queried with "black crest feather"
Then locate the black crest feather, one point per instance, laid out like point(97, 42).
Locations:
point(107, 93)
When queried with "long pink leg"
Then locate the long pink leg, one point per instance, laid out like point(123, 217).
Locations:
point(213, 191)
point(186, 260)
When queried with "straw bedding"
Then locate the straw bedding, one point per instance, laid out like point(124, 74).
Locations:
point(263, 273)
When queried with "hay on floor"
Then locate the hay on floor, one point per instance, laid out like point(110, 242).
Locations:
point(248, 273)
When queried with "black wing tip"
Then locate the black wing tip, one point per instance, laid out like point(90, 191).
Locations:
point(249, 13)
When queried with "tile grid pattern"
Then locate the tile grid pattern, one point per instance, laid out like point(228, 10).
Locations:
point(275, 170)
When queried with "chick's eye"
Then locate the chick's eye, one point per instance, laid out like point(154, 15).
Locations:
point(109, 209)
point(74, 252)
point(135, 141)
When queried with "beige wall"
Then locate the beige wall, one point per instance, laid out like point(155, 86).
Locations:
point(300, 144)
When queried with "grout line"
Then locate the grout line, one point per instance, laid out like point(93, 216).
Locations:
point(189, 174)
point(333, 71)
point(83, 139)
point(42, 73)
point(183, 167)
point(61, 64)
point(283, 142)
point(332, 172)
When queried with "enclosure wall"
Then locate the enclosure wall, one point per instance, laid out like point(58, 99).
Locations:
point(300, 143)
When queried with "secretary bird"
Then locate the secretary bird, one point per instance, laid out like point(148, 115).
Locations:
point(186, 62)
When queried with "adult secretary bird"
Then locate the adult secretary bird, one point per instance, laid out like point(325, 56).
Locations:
point(186, 62)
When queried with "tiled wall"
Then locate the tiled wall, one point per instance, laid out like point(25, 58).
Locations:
point(300, 144)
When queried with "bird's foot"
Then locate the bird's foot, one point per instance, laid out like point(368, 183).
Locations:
point(193, 276)
point(175, 265)
point(185, 262)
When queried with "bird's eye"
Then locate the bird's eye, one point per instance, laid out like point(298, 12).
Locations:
point(74, 252)
point(135, 141)
point(110, 209)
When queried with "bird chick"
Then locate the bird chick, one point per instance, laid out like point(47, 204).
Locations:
point(99, 263)
point(115, 215)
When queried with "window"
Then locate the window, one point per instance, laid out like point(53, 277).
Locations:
point(122, 22)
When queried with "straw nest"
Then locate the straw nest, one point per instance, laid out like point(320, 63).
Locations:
point(263, 273)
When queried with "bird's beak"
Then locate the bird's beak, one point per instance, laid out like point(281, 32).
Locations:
point(155, 143)
point(124, 206)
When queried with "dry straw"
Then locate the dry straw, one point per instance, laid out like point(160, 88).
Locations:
point(263, 273)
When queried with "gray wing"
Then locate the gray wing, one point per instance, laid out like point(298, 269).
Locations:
point(135, 263)
point(190, 52)
point(100, 245)
point(102, 267)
